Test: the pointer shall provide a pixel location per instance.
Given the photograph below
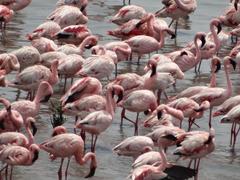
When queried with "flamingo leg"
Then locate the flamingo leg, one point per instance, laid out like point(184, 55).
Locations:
point(116, 72)
point(176, 25)
point(60, 170)
point(210, 117)
point(65, 84)
point(159, 96)
point(11, 170)
point(189, 123)
point(232, 134)
point(198, 163)
point(94, 144)
point(138, 60)
point(6, 173)
point(170, 23)
point(235, 134)
point(74, 129)
point(66, 171)
point(190, 163)
point(71, 81)
point(124, 117)
point(136, 126)
point(199, 66)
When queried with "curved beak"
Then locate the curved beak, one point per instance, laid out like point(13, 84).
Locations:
point(91, 173)
point(233, 63)
point(120, 97)
point(34, 128)
point(218, 66)
point(203, 41)
point(219, 28)
point(159, 115)
point(46, 98)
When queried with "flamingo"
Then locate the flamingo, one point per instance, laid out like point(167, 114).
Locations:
point(27, 56)
point(127, 13)
point(30, 78)
point(143, 44)
point(184, 58)
point(16, 5)
point(137, 101)
point(73, 34)
point(47, 29)
point(195, 145)
point(49, 57)
point(43, 45)
point(134, 146)
point(82, 4)
point(9, 62)
point(31, 108)
point(232, 117)
point(69, 66)
point(72, 49)
point(97, 122)
point(225, 107)
point(17, 155)
point(177, 9)
point(67, 145)
point(216, 96)
point(83, 87)
point(164, 115)
point(6, 15)
point(67, 15)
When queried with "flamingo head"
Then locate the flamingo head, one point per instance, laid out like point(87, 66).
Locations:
point(30, 122)
point(59, 130)
point(118, 90)
point(216, 64)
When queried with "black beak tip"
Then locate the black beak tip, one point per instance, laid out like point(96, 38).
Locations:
point(89, 46)
point(234, 64)
point(62, 36)
point(219, 28)
point(34, 128)
point(183, 53)
point(173, 36)
point(203, 41)
point(91, 173)
point(46, 98)
point(218, 67)
point(120, 97)
point(159, 115)
point(236, 6)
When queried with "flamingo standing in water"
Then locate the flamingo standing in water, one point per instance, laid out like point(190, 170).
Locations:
point(17, 155)
point(127, 13)
point(67, 145)
point(134, 146)
point(177, 9)
point(233, 117)
point(43, 45)
point(6, 15)
point(98, 121)
point(82, 4)
point(195, 145)
point(216, 96)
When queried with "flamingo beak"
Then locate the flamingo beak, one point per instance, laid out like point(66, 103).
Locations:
point(34, 128)
point(233, 63)
point(120, 97)
point(159, 115)
point(203, 41)
point(183, 53)
point(236, 5)
point(219, 28)
point(218, 67)
point(91, 173)
point(63, 35)
point(46, 98)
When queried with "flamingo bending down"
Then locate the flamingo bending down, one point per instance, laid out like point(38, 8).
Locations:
point(81, 4)
point(47, 29)
point(73, 34)
point(17, 155)
point(16, 5)
point(67, 15)
point(44, 45)
point(195, 145)
point(83, 87)
point(31, 108)
point(177, 9)
point(49, 57)
point(127, 13)
point(88, 42)
point(134, 146)
point(9, 62)
point(98, 121)
point(67, 145)
point(233, 117)
point(6, 15)
point(216, 96)
point(137, 101)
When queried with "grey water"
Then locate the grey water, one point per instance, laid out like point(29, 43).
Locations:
point(222, 164)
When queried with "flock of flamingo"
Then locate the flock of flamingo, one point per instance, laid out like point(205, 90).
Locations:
point(57, 53)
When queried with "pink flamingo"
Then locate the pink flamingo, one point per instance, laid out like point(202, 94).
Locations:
point(73, 34)
point(67, 15)
point(225, 107)
point(233, 117)
point(98, 121)
point(27, 56)
point(127, 13)
point(6, 15)
point(134, 146)
point(184, 58)
point(67, 145)
point(9, 62)
point(164, 115)
point(157, 81)
point(49, 57)
point(17, 155)
point(83, 87)
point(69, 66)
point(47, 29)
point(190, 109)
point(137, 101)
point(82, 4)
point(88, 42)
point(43, 45)
point(16, 5)
point(216, 96)
point(177, 9)
point(31, 108)
point(195, 145)
point(143, 44)
point(30, 78)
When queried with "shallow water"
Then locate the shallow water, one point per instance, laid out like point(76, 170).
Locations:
point(221, 164)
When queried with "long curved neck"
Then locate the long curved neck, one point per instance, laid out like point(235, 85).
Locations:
point(198, 53)
point(30, 135)
point(161, 41)
point(185, 6)
point(163, 164)
point(82, 160)
point(110, 102)
point(5, 102)
point(38, 96)
point(54, 75)
point(229, 83)
point(14, 66)
point(125, 51)
point(213, 79)
point(150, 25)
point(215, 37)
point(84, 43)
point(176, 113)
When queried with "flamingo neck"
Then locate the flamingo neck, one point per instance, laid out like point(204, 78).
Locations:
point(110, 107)
point(229, 83)
point(154, 70)
point(83, 44)
point(213, 80)
point(30, 135)
point(82, 160)
point(150, 26)
point(161, 41)
point(215, 38)
point(54, 75)
point(163, 164)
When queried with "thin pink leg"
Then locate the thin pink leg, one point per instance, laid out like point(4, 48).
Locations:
point(60, 170)
point(136, 126)
point(11, 170)
point(66, 171)
point(232, 133)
